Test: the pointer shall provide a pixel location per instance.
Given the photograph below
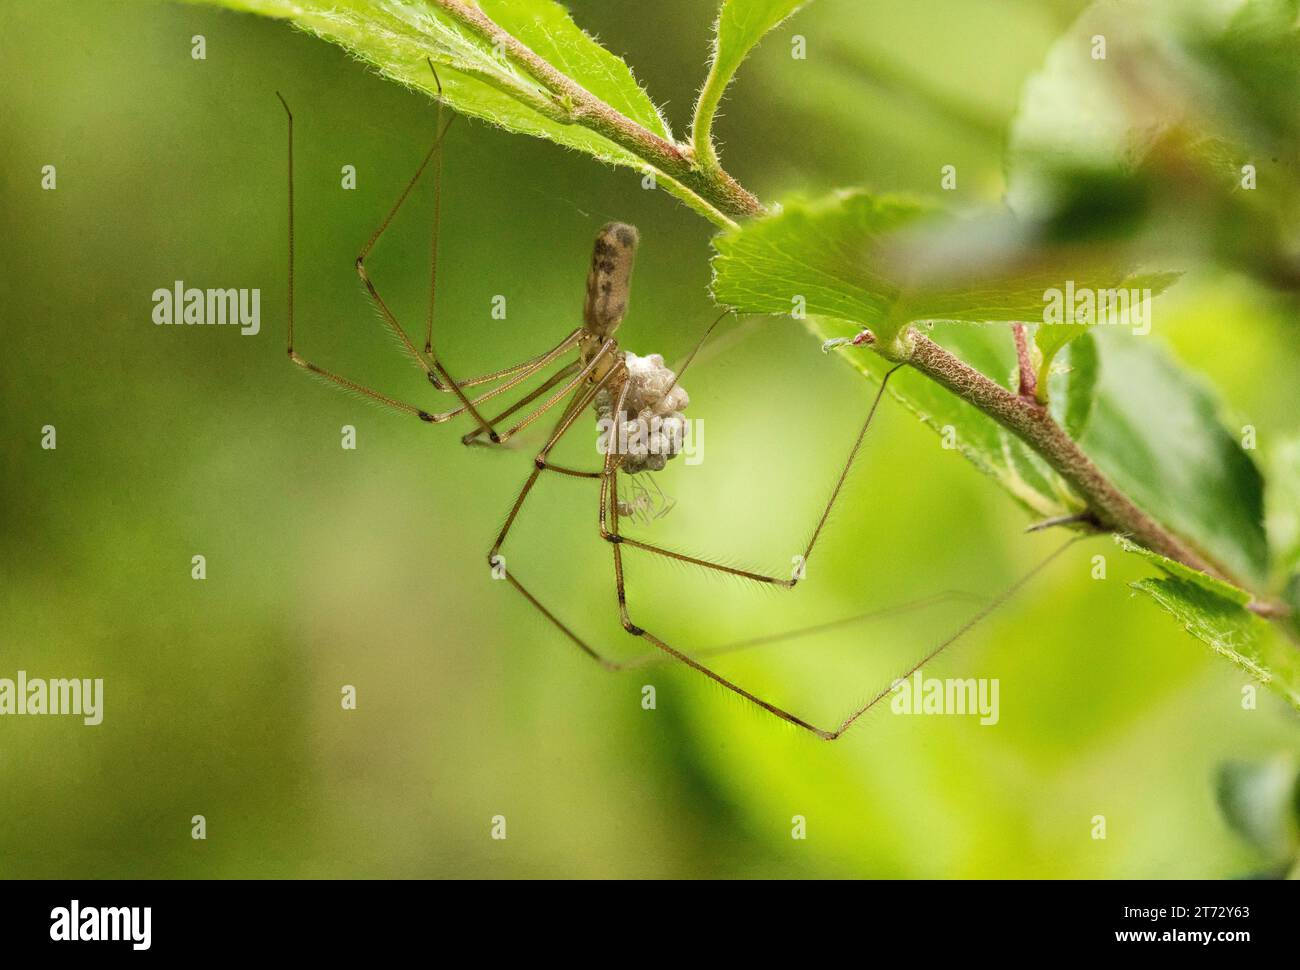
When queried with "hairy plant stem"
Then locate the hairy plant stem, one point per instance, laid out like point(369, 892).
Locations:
point(1030, 421)
point(579, 106)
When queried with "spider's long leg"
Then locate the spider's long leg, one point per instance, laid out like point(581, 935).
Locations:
point(606, 349)
point(750, 643)
point(344, 382)
point(523, 370)
point(530, 368)
point(787, 583)
point(434, 369)
point(435, 156)
point(690, 358)
point(390, 320)
point(471, 437)
point(542, 463)
point(611, 476)
point(437, 223)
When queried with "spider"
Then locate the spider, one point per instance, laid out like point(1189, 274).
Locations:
point(636, 398)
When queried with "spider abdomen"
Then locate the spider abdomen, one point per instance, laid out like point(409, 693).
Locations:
point(609, 282)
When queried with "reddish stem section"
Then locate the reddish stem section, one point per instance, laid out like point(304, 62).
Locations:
point(1028, 376)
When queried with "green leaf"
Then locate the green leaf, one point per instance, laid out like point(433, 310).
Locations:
point(821, 257)
point(1157, 433)
point(1215, 613)
point(396, 36)
point(1261, 802)
point(1282, 503)
point(741, 25)
point(883, 262)
point(1283, 507)
point(1081, 385)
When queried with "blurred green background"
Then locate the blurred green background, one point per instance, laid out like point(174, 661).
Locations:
point(329, 567)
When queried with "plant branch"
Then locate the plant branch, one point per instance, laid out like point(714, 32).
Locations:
point(1033, 423)
point(581, 107)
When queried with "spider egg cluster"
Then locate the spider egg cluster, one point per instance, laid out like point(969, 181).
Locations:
point(651, 429)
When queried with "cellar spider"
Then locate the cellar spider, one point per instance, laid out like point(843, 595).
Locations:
point(628, 392)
